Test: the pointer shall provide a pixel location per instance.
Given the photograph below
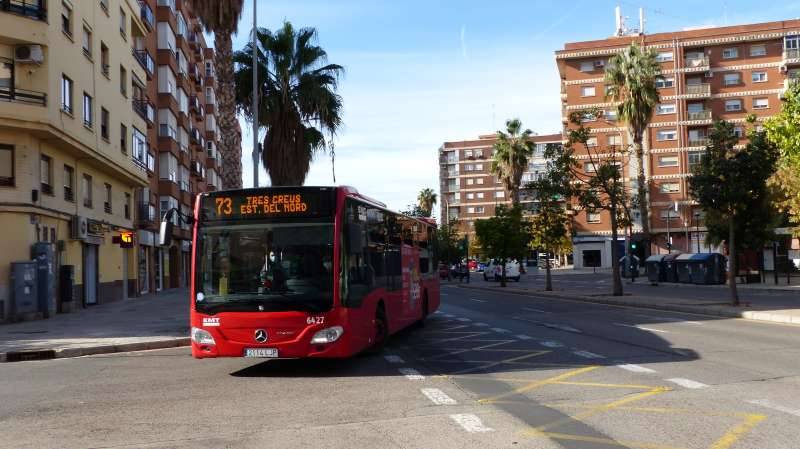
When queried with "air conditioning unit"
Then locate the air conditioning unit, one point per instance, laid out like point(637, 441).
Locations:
point(79, 227)
point(709, 74)
point(29, 54)
point(784, 68)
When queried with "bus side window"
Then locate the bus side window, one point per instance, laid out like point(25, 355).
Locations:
point(424, 248)
point(393, 256)
point(377, 246)
point(359, 275)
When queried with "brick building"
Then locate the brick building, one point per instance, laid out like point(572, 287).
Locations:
point(711, 74)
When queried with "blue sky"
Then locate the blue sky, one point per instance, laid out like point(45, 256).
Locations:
point(423, 72)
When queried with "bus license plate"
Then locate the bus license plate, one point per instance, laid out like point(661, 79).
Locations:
point(261, 352)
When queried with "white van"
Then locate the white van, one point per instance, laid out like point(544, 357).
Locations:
point(494, 271)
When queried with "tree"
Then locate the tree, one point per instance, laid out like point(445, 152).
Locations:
point(413, 210)
point(298, 106)
point(550, 224)
point(731, 186)
point(504, 236)
point(447, 242)
point(784, 131)
point(511, 153)
point(425, 200)
point(631, 79)
point(221, 17)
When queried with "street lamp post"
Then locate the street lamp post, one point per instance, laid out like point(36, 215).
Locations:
point(697, 229)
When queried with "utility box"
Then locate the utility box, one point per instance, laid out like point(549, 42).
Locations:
point(655, 269)
point(43, 255)
point(670, 267)
point(24, 291)
point(683, 267)
point(708, 268)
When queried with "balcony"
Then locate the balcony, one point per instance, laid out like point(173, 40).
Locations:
point(194, 104)
point(696, 63)
point(700, 115)
point(147, 15)
point(32, 9)
point(791, 56)
point(146, 61)
point(698, 141)
point(145, 110)
point(15, 95)
point(698, 90)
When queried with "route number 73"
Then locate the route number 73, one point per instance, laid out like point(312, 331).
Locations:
point(315, 320)
point(224, 206)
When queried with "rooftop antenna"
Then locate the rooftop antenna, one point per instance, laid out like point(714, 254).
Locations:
point(641, 20)
point(620, 31)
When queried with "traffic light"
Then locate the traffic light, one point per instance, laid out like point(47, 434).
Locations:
point(633, 246)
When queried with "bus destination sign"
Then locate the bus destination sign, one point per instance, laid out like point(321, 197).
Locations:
point(268, 204)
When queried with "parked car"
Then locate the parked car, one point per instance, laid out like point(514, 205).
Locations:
point(482, 267)
point(472, 265)
point(494, 270)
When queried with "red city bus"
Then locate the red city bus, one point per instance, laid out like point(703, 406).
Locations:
point(290, 272)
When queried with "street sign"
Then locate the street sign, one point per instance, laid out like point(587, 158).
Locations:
point(124, 239)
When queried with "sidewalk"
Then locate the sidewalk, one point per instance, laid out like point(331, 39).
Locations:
point(149, 322)
point(773, 309)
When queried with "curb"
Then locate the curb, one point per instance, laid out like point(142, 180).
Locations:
point(46, 354)
point(698, 310)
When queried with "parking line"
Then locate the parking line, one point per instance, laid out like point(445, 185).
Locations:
point(438, 396)
point(501, 330)
point(391, 358)
point(635, 326)
point(411, 374)
point(537, 384)
point(530, 309)
point(737, 432)
point(603, 441)
point(769, 404)
point(478, 300)
point(465, 320)
point(688, 383)
point(562, 327)
point(471, 423)
point(635, 368)
point(588, 355)
point(523, 337)
point(552, 344)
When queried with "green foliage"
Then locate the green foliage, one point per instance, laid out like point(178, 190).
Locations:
point(506, 235)
point(447, 243)
point(511, 153)
point(413, 210)
point(425, 201)
point(784, 131)
point(550, 225)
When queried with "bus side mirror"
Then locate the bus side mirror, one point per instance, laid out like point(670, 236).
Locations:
point(165, 233)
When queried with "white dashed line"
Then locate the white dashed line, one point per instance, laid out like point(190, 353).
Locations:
point(635, 368)
point(411, 374)
point(687, 383)
point(530, 309)
point(501, 330)
point(447, 315)
point(650, 329)
point(391, 358)
point(478, 300)
point(524, 337)
point(465, 320)
point(481, 324)
point(588, 355)
point(768, 404)
point(552, 344)
point(471, 423)
point(438, 312)
point(668, 320)
point(562, 327)
point(438, 396)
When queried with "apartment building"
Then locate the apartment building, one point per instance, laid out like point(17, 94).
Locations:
point(725, 73)
point(179, 101)
point(70, 142)
point(468, 189)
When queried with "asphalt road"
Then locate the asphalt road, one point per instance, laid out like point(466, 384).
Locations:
point(491, 370)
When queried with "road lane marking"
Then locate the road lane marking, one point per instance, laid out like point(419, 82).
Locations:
point(465, 320)
point(391, 358)
point(478, 300)
point(688, 383)
point(668, 320)
point(523, 337)
point(635, 368)
point(447, 315)
point(438, 396)
point(530, 309)
point(601, 441)
point(411, 374)
point(501, 330)
point(636, 326)
point(471, 423)
point(737, 432)
point(537, 384)
point(588, 355)
point(481, 324)
point(769, 404)
point(562, 327)
point(552, 344)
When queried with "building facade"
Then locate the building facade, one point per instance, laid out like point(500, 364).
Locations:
point(469, 191)
point(725, 73)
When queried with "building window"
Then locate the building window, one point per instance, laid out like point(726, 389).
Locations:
point(664, 56)
point(209, 68)
point(694, 158)
point(731, 79)
point(615, 140)
point(500, 194)
point(669, 214)
point(66, 19)
point(107, 202)
point(470, 196)
point(479, 181)
point(733, 105)
point(666, 134)
point(123, 81)
point(611, 115)
point(104, 123)
point(665, 83)
point(730, 53)
point(587, 66)
point(104, 5)
point(587, 91)
point(588, 167)
point(6, 165)
point(46, 173)
point(139, 142)
point(478, 153)
point(123, 138)
point(87, 111)
point(209, 95)
point(665, 108)
point(738, 131)
point(758, 50)
point(670, 187)
point(760, 103)
point(470, 181)
point(87, 42)
point(123, 23)
point(668, 161)
point(66, 94)
point(479, 195)
point(759, 77)
point(69, 183)
point(87, 191)
point(127, 205)
point(592, 217)
point(591, 142)
point(105, 68)
point(478, 167)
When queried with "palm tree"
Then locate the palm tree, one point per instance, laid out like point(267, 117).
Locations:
point(426, 199)
point(511, 153)
point(298, 106)
point(221, 17)
point(631, 79)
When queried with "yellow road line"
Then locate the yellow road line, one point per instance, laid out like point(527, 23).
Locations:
point(595, 384)
point(502, 362)
point(606, 441)
point(738, 431)
point(664, 410)
point(539, 383)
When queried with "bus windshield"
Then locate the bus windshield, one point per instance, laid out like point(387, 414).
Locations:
point(264, 267)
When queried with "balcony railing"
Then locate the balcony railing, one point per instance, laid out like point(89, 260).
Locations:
point(696, 62)
point(698, 89)
point(791, 53)
point(147, 15)
point(33, 9)
point(147, 213)
point(698, 141)
point(146, 61)
point(145, 110)
point(701, 115)
point(16, 95)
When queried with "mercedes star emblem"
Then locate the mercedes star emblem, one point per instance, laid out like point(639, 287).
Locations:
point(261, 335)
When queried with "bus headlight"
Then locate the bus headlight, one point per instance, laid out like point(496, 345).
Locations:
point(202, 337)
point(328, 335)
